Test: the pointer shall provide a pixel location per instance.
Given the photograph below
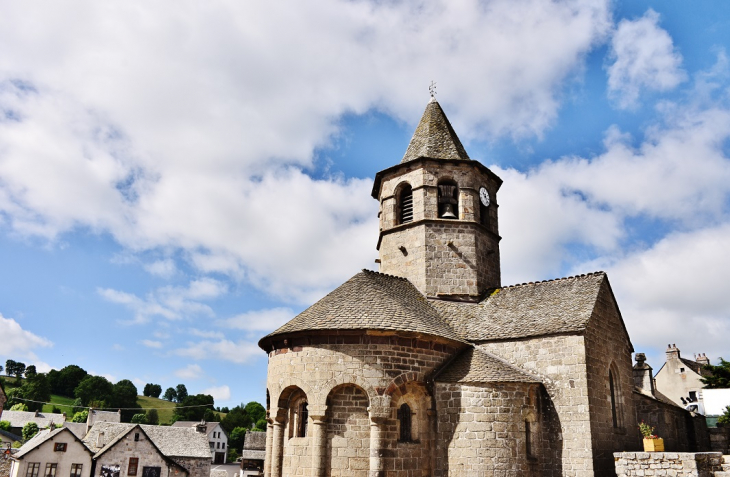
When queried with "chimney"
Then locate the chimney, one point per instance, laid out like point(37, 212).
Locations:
point(37, 413)
point(642, 374)
point(100, 440)
point(703, 359)
point(672, 352)
point(201, 427)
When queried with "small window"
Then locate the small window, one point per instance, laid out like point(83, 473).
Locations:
point(303, 418)
point(404, 419)
point(136, 436)
point(212, 444)
point(76, 470)
point(405, 205)
point(681, 370)
point(59, 447)
point(33, 468)
point(132, 467)
point(51, 470)
point(693, 396)
point(528, 439)
point(223, 445)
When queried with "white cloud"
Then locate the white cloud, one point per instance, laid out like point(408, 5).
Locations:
point(205, 333)
point(219, 393)
point(152, 344)
point(191, 371)
point(170, 302)
point(644, 58)
point(235, 352)
point(259, 320)
point(20, 343)
point(162, 268)
point(128, 127)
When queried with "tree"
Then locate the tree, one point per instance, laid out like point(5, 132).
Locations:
point(36, 389)
point(260, 425)
point(255, 410)
point(152, 390)
point(235, 438)
point(124, 397)
point(725, 418)
point(81, 416)
point(64, 382)
point(14, 368)
point(19, 407)
point(5, 426)
point(170, 395)
point(152, 417)
point(29, 430)
point(237, 417)
point(720, 377)
point(181, 391)
point(201, 403)
point(1, 370)
point(94, 388)
point(140, 418)
point(30, 371)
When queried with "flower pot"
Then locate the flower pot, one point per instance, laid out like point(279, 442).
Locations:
point(654, 445)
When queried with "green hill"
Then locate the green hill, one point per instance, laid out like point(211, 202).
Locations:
point(165, 409)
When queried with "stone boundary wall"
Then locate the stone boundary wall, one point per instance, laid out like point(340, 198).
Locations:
point(719, 439)
point(671, 464)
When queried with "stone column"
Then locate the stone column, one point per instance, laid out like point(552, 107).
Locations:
point(269, 443)
point(277, 446)
point(319, 440)
point(378, 417)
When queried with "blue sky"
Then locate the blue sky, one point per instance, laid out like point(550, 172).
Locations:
point(177, 180)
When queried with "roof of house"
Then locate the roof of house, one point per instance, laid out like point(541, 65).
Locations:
point(564, 305)
point(78, 428)
point(254, 440)
point(209, 426)
point(43, 419)
point(10, 435)
point(478, 366)
point(434, 137)
point(372, 301)
point(252, 454)
point(171, 441)
point(43, 436)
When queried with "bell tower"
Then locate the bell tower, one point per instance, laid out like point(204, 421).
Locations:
point(438, 215)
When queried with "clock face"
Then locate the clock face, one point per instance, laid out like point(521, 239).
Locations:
point(484, 196)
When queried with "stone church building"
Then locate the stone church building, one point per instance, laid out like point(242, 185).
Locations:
point(432, 367)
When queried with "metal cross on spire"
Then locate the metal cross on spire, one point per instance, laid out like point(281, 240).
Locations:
point(432, 90)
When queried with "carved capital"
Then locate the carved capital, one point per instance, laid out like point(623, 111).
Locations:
point(379, 413)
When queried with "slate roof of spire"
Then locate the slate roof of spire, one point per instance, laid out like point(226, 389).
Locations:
point(372, 301)
point(434, 137)
point(477, 366)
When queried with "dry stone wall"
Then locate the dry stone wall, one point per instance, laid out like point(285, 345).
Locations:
point(680, 464)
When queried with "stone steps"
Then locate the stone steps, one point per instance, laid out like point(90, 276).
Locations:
point(725, 472)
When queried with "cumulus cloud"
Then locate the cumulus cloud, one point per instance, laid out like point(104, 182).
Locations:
point(170, 302)
point(162, 268)
point(644, 59)
point(219, 393)
point(226, 350)
point(18, 342)
point(259, 320)
point(203, 145)
point(191, 371)
point(152, 344)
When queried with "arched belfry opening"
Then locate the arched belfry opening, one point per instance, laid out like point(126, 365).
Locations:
point(405, 204)
point(448, 199)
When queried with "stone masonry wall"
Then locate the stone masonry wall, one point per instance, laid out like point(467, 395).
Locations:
point(143, 449)
point(680, 430)
point(608, 347)
point(667, 464)
point(482, 431)
point(348, 433)
point(197, 466)
point(560, 361)
point(345, 375)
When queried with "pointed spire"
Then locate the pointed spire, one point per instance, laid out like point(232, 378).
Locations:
point(434, 137)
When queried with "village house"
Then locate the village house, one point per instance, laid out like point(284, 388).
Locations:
point(432, 366)
point(43, 420)
point(253, 453)
point(53, 452)
point(217, 438)
point(679, 379)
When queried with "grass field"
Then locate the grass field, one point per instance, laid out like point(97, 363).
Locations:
point(65, 404)
point(164, 408)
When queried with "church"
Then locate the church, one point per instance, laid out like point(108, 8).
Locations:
point(431, 367)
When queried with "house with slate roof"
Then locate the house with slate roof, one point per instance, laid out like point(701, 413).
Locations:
point(431, 366)
point(680, 378)
point(53, 452)
point(217, 438)
point(18, 419)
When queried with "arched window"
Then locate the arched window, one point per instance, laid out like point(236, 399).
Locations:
point(303, 417)
point(405, 205)
point(612, 389)
point(448, 200)
point(404, 418)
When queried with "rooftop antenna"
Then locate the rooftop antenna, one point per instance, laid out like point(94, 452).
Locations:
point(432, 90)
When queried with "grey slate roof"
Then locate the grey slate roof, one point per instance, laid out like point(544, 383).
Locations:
point(78, 428)
point(209, 426)
point(564, 305)
point(371, 301)
point(251, 454)
point(434, 137)
point(254, 440)
point(9, 436)
point(478, 366)
point(21, 418)
point(43, 436)
point(172, 441)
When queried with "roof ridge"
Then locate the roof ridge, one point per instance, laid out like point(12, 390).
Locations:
point(373, 272)
point(572, 277)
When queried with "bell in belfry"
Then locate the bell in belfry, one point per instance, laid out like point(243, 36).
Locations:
point(447, 201)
